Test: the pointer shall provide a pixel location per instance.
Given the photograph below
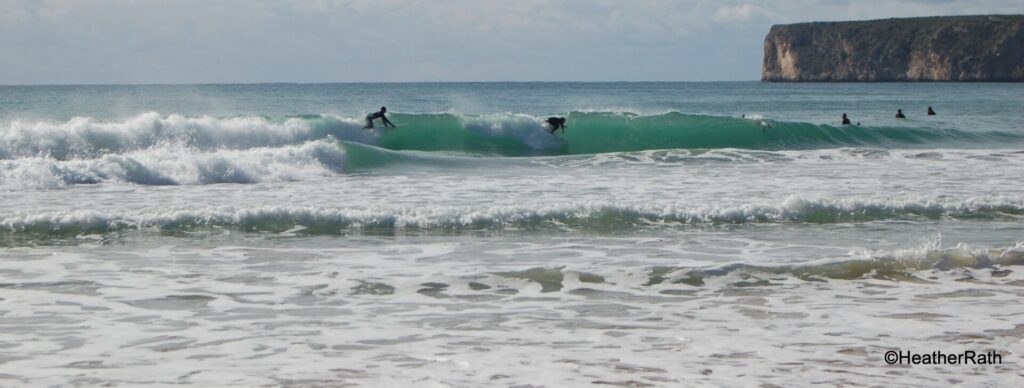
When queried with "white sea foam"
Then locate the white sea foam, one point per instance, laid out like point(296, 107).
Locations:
point(88, 137)
point(601, 214)
point(542, 311)
point(177, 165)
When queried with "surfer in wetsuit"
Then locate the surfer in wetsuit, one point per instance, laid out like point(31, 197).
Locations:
point(846, 121)
point(930, 111)
point(378, 115)
point(556, 123)
point(899, 114)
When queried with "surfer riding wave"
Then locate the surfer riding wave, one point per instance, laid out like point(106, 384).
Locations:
point(378, 115)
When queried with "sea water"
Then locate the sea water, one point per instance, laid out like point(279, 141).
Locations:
point(673, 234)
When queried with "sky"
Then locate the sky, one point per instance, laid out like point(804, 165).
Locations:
point(248, 41)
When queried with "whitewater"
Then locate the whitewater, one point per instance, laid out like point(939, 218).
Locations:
point(674, 234)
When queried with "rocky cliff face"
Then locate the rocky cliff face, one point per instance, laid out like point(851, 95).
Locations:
point(954, 48)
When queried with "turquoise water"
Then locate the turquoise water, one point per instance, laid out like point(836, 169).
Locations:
point(672, 229)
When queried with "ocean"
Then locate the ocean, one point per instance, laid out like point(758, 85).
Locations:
point(727, 233)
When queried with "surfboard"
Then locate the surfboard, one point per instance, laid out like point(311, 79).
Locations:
point(383, 127)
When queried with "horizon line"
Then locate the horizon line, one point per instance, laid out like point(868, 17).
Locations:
point(361, 82)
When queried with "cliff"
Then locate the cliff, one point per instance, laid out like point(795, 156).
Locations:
point(953, 48)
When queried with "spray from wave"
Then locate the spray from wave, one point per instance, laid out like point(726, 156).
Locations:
point(84, 137)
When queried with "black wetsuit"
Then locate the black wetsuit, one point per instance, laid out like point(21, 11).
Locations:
point(556, 123)
point(377, 115)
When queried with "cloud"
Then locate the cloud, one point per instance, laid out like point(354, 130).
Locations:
point(738, 13)
point(195, 41)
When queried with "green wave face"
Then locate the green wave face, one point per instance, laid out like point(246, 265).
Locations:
point(590, 133)
point(444, 132)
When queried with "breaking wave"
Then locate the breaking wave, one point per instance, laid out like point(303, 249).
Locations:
point(505, 134)
point(589, 215)
point(901, 265)
point(913, 265)
point(173, 165)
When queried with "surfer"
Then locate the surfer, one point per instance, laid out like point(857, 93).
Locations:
point(899, 114)
point(846, 121)
point(930, 111)
point(378, 115)
point(556, 123)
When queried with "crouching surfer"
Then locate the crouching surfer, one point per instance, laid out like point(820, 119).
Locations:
point(378, 115)
point(556, 123)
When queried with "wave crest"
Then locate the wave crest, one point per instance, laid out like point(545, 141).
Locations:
point(507, 134)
